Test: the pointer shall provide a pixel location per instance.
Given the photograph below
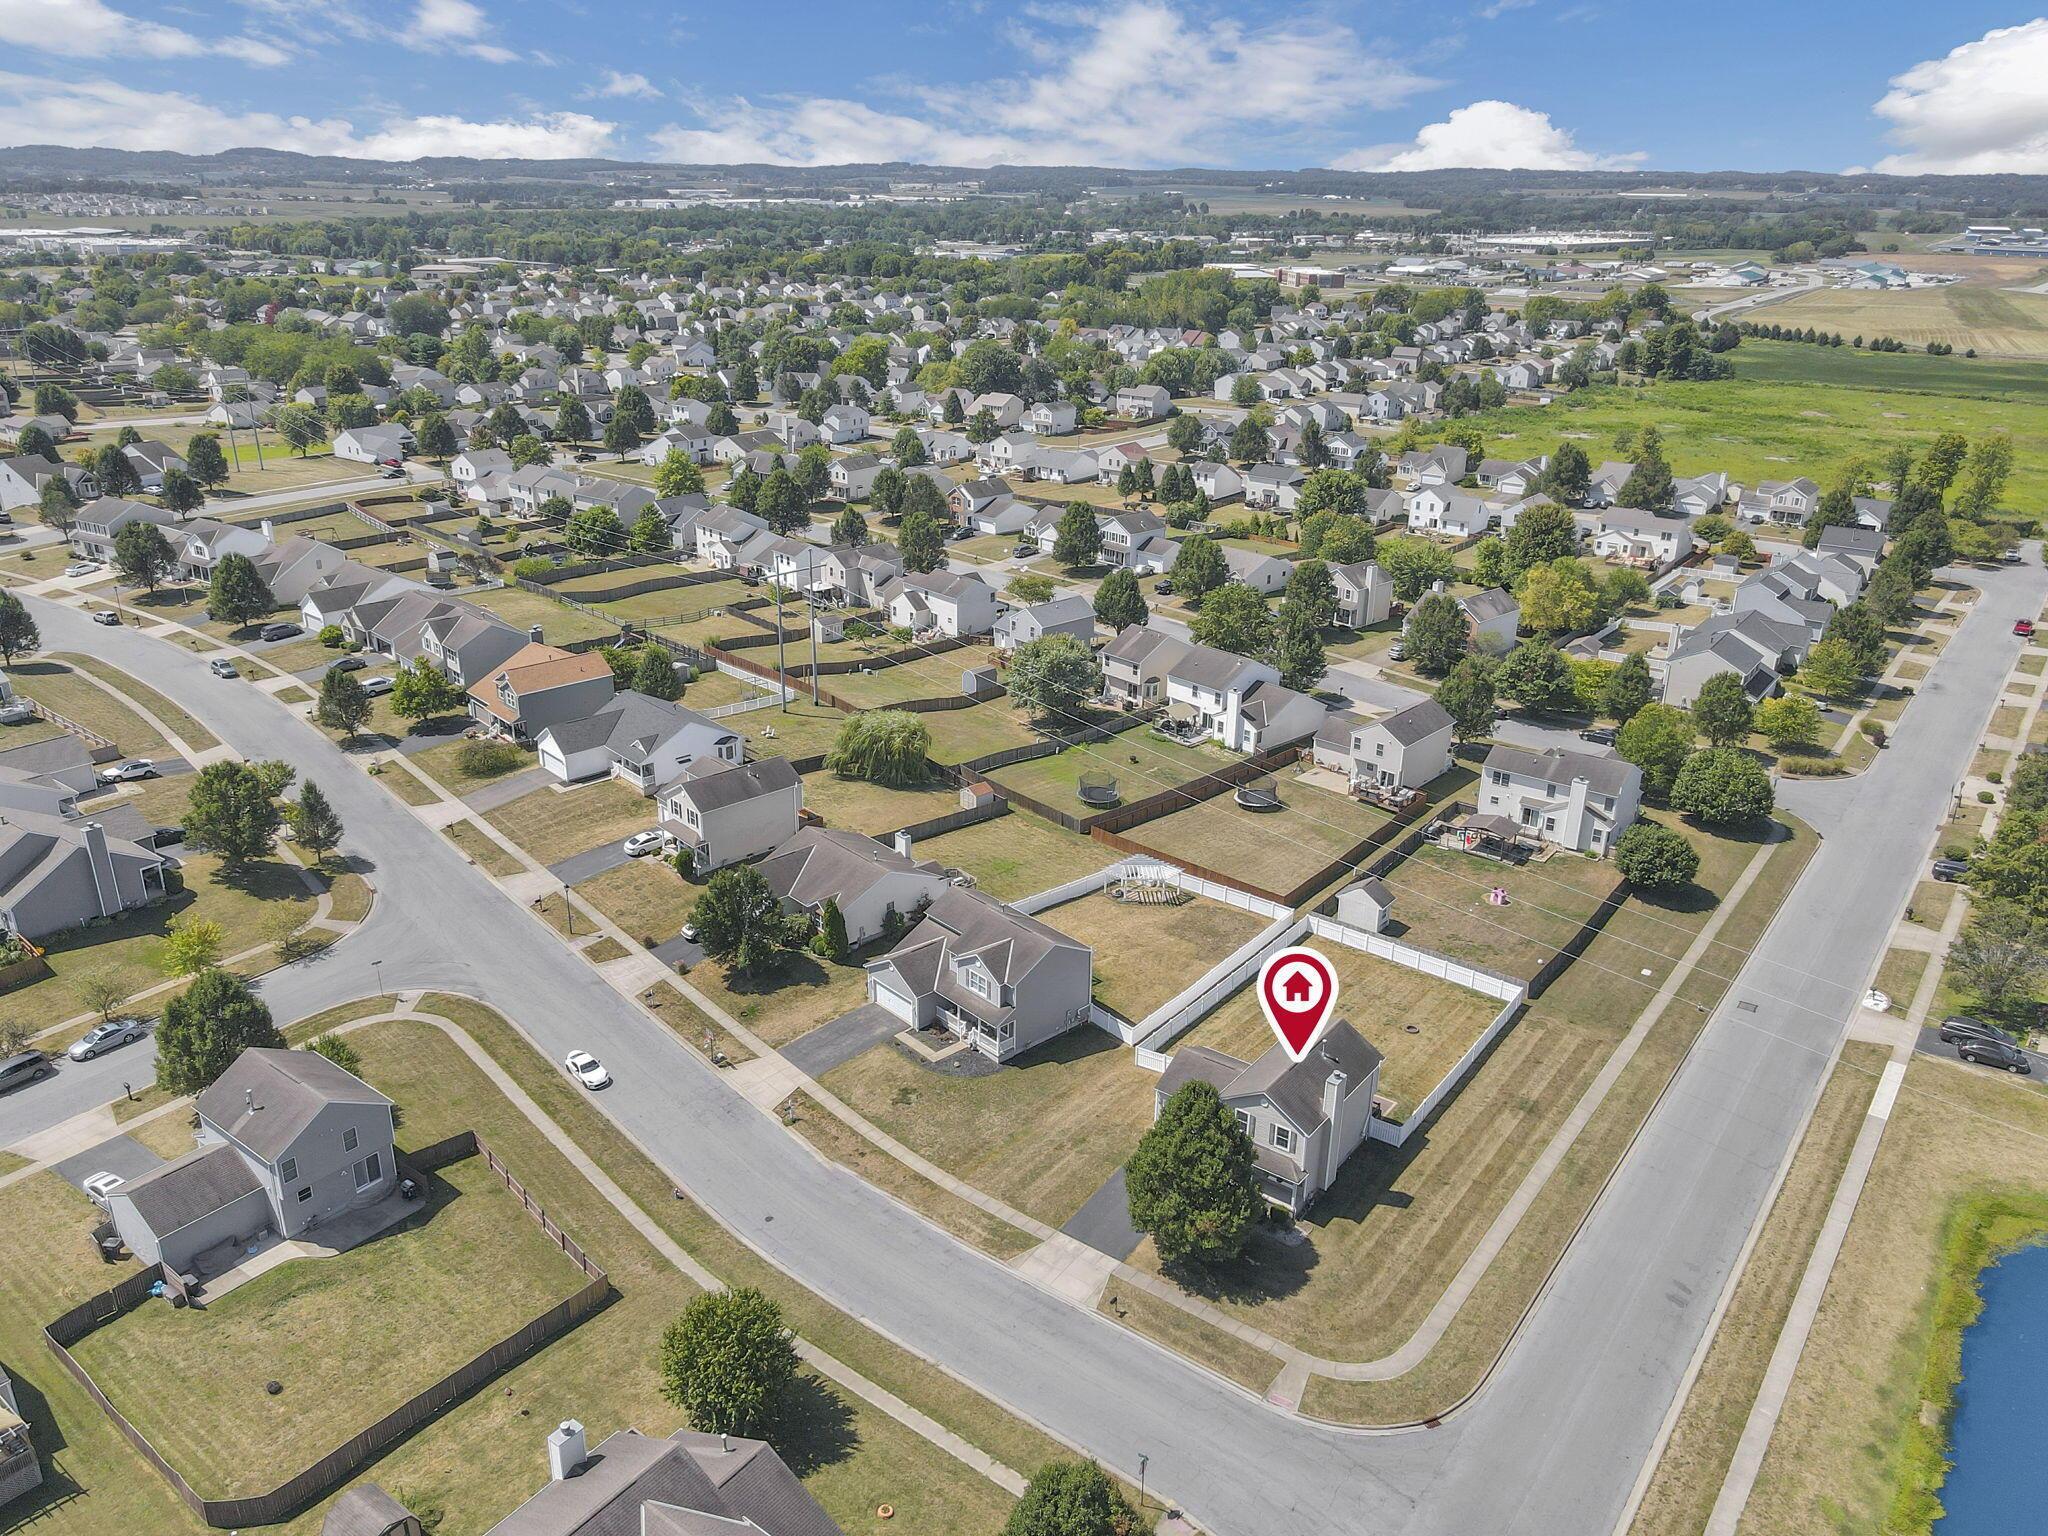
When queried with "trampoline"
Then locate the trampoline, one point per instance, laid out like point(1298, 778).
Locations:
point(1259, 795)
point(1098, 789)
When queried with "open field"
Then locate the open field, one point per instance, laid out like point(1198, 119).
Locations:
point(1758, 429)
point(552, 824)
point(1143, 762)
point(1980, 378)
point(1274, 850)
point(1689, 1473)
point(1042, 1133)
point(1857, 1432)
point(1993, 320)
point(1145, 955)
point(192, 1380)
point(1440, 903)
point(1017, 855)
point(1421, 1025)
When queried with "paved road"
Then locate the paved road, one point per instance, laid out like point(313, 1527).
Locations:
point(1554, 1442)
point(332, 490)
point(1930, 1043)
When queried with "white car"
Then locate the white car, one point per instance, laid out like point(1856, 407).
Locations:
point(587, 1070)
point(125, 773)
point(649, 841)
point(373, 686)
point(81, 567)
point(99, 1186)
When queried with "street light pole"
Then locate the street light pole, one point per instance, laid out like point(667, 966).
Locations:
point(1143, 1462)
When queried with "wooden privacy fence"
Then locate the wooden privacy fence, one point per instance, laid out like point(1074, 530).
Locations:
point(315, 1479)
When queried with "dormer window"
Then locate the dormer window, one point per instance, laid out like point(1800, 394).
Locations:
point(978, 983)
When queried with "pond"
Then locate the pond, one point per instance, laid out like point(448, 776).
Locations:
point(1994, 1488)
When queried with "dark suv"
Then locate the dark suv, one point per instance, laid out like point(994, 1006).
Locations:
point(1996, 1053)
point(22, 1068)
point(1957, 1028)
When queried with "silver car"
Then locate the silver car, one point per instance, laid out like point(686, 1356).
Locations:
point(106, 1036)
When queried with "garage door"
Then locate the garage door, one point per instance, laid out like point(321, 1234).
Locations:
point(902, 1007)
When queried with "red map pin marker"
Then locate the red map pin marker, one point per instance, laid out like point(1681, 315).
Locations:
point(1298, 991)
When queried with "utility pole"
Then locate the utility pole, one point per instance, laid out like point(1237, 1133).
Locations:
point(811, 611)
point(781, 668)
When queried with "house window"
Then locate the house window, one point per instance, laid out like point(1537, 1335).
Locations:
point(1499, 778)
point(1283, 1138)
point(978, 983)
point(305, 1194)
point(350, 1140)
point(1550, 823)
point(288, 1170)
point(1379, 749)
point(1244, 1121)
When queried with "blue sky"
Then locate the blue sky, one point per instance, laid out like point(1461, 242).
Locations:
point(1398, 84)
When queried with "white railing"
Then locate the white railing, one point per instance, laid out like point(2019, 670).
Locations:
point(1413, 958)
point(1397, 1134)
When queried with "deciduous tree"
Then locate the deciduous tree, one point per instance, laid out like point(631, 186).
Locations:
point(206, 1027)
point(728, 1358)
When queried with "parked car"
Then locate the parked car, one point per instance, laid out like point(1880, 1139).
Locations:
point(1397, 651)
point(2012, 557)
point(690, 932)
point(81, 567)
point(281, 631)
point(1996, 1053)
point(394, 473)
point(586, 457)
point(21, 1069)
point(1957, 1028)
point(108, 618)
point(376, 685)
point(99, 1186)
point(1600, 735)
point(2023, 628)
point(105, 1036)
point(128, 772)
point(346, 664)
point(587, 1070)
point(646, 842)
point(1950, 869)
point(16, 712)
point(220, 666)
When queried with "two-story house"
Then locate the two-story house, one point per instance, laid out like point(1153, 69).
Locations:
point(1365, 594)
point(1304, 1119)
point(287, 1141)
point(1238, 700)
point(949, 603)
point(1577, 800)
point(539, 686)
point(1135, 665)
point(725, 811)
point(1404, 750)
point(992, 976)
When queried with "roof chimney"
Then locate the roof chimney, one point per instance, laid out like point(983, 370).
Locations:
point(533, 633)
point(566, 1453)
point(904, 841)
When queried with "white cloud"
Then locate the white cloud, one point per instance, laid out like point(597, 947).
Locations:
point(1136, 84)
point(614, 84)
point(1499, 8)
point(455, 25)
point(90, 29)
point(1982, 110)
point(108, 114)
point(1491, 135)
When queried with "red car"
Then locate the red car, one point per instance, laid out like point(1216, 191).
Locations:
point(2024, 627)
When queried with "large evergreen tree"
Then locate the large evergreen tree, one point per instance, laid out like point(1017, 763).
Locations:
point(1190, 1183)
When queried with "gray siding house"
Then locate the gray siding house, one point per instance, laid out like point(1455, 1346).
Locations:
point(988, 973)
point(724, 812)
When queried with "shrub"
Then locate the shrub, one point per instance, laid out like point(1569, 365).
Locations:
point(486, 759)
point(1956, 851)
point(1812, 767)
point(1985, 797)
point(532, 568)
point(331, 636)
point(1996, 776)
point(1653, 857)
point(883, 746)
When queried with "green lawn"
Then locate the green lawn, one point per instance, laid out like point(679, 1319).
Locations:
point(1441, 902)
point(552, 824)
point(1274, 850)
point(959, 735)
point(860, 806)
point(797, 729)
point(1017, 855)
point(1042, 1134)
point(1145, 955)
point(443, 764)
point(711, 689)
point(1143, 762)
point(193, 1380)
point(559, 623)
point(646, 897)
point(197, 736)
point(801, 993)
point(58, 686)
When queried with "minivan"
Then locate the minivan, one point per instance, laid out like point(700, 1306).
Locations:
point(21, 1068)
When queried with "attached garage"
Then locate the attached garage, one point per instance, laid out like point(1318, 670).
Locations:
point(884, 995)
